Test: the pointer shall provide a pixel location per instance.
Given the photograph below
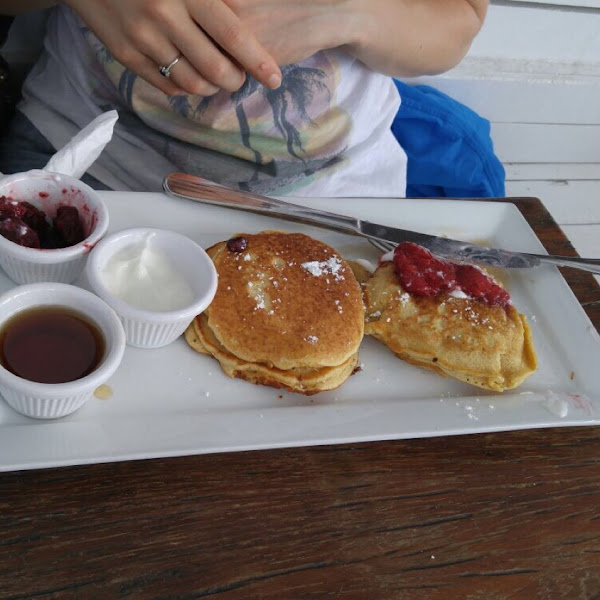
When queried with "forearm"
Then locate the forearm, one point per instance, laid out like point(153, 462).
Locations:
point(407, 38)
point(16, 7)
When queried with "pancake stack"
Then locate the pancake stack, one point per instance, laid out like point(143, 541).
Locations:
point(488, 346)
point(288, 313)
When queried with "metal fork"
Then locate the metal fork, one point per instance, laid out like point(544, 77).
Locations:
point(382, 245)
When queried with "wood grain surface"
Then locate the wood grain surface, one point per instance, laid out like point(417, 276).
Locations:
point(487, 516)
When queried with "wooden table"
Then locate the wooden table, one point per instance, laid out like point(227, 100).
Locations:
point(494, 516)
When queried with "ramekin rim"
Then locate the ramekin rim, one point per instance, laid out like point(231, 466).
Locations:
point(147, 316)
point(58, 255)
point(111, 362)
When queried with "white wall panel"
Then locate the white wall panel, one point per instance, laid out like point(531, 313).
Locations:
point(546, 143)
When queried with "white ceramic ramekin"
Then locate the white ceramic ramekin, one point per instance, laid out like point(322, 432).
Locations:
point(47, 191)
point(52, 400)
point(153, 329)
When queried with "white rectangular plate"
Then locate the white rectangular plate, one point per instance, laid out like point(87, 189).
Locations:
point(173, 401)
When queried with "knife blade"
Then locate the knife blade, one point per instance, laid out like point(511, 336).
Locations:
point(191, 187)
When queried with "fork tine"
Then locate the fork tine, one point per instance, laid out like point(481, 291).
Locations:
point(382, 245)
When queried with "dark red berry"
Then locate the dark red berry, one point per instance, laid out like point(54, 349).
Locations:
point(23, 218)
point(19, 232)
point(68, 224)
point(237, 244)
point(476, 284)
point(10, 209)
point(34, 217)
point(420, 272)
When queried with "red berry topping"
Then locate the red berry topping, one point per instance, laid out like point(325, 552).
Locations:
point(34, 217)
point(25, 224)
point(10, 209)
point(423, 274)
point(478, 285)
point(68, 224)
point(19, 232)
point(420, 272)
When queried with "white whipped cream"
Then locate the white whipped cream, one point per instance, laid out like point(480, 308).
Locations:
point(368, 265)
point(145, 278)
point(458, 293)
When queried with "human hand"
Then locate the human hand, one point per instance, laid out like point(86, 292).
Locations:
point(292, 31)
point(144, 34)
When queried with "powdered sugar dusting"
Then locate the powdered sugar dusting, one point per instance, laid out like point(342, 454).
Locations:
point(260, 301)
point(331, 266)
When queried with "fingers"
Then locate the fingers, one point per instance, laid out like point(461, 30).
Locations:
point(184, 78)
point(216, 49)
point(188, 79)
point(224, 27)
point(206, 60)
point(159, 51)
point(147, 69)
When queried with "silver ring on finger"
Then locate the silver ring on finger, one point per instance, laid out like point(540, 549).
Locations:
point(166, 71)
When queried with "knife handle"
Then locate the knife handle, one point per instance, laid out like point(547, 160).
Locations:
point(592, 265)
point(191, 187)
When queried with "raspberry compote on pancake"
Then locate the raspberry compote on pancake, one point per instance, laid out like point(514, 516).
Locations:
point(453, 319)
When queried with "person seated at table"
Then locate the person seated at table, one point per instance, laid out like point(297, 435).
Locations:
point(271, 96)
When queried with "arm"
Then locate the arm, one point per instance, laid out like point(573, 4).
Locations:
point(16, 7)
point(397, 37)
point(407, 38)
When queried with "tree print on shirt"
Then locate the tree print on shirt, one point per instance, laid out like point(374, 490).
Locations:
point(296, 92)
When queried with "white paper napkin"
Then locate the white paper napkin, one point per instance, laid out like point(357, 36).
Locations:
point(77, 155)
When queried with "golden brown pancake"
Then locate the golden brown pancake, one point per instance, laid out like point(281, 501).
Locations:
point(488, 346)
point(307, 380)
point(287, 313)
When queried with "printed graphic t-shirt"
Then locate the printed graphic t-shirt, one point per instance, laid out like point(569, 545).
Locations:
point(324, 132)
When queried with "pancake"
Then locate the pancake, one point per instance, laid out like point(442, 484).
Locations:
point(287, 313)
point(488, 346)
point(307, 380)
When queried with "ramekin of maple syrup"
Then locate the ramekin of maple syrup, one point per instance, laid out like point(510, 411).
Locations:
point(49, 223)
point(58, 343)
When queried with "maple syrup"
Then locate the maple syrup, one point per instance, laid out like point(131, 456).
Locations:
point(51, 344)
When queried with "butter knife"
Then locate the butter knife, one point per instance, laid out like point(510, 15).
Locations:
point(191, 187)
